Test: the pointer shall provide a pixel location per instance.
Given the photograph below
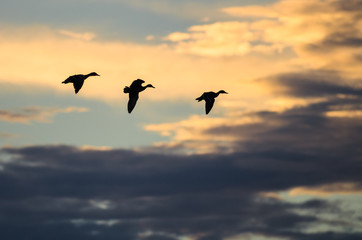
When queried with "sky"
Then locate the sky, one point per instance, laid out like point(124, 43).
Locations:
point(277, 158)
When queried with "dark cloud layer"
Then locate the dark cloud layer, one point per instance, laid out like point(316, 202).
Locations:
point(318, 83)
point(57, 192)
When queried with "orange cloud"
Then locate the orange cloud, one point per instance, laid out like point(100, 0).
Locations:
point(321, 33)
point(345, 113)
point(46, 58)
point(217, 39)
point(192, 133)
point(327, 190)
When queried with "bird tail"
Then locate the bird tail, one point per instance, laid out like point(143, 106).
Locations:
point(126, 90)
point(199, 99)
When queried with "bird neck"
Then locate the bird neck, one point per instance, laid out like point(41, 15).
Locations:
point(91, 74)
point(221, 91)
point(144, 87)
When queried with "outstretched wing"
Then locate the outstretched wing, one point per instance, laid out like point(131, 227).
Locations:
point(136, 84)
point(133, 97)
point(78, 85)
point(202, 97)
point(209, 104)
point(68, 80)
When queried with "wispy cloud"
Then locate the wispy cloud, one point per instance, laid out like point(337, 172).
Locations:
point(327, 190)
point(7, 135)
point(87, 36)
point(36, 113)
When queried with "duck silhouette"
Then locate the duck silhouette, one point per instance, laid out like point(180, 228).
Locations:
point(133, 91)
point(209, 98)
point(78, 80)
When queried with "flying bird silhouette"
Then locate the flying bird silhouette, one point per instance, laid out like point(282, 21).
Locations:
point(78, 80)
point(133, 91)
point(209, 98)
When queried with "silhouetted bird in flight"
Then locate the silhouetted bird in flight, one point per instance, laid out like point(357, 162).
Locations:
point(209, 98)
point(133, 90)
point(78, 80)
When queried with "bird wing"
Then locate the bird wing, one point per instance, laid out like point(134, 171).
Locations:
point(78, 85)
point(68, 80)
point(209, 104)
point(133, 97)
point(202, 97)
point(136, 83)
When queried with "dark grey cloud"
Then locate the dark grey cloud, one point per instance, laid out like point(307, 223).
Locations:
point(349, 6)
point(319, 83)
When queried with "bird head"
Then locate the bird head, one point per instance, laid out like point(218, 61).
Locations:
point(150, 85)
point(93, 74)
point(222, 91)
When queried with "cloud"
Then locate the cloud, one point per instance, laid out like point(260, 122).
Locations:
point(36, 113)
point(314, 100)
point(184, 10)
point(321, 33)
point(290, 124)
point(327, 190)
point(217, 39)
point(87, 36)
point(104, 192)
point(47, 57)
point(314, 84)
point(7, 135)
point(125, 193)
point(192, 133)
point(150, 37)
point(317, 121)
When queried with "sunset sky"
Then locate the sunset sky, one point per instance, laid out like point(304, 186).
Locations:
point(278, 158)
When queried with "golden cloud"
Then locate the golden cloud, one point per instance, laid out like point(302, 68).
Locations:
point(192, 132)
point(217, 39)
point(40, 56)
point(321, 33)
point(327, 190)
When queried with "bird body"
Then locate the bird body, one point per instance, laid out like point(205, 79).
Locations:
point(133, 91)
point(78, 80)
point(209, 98)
